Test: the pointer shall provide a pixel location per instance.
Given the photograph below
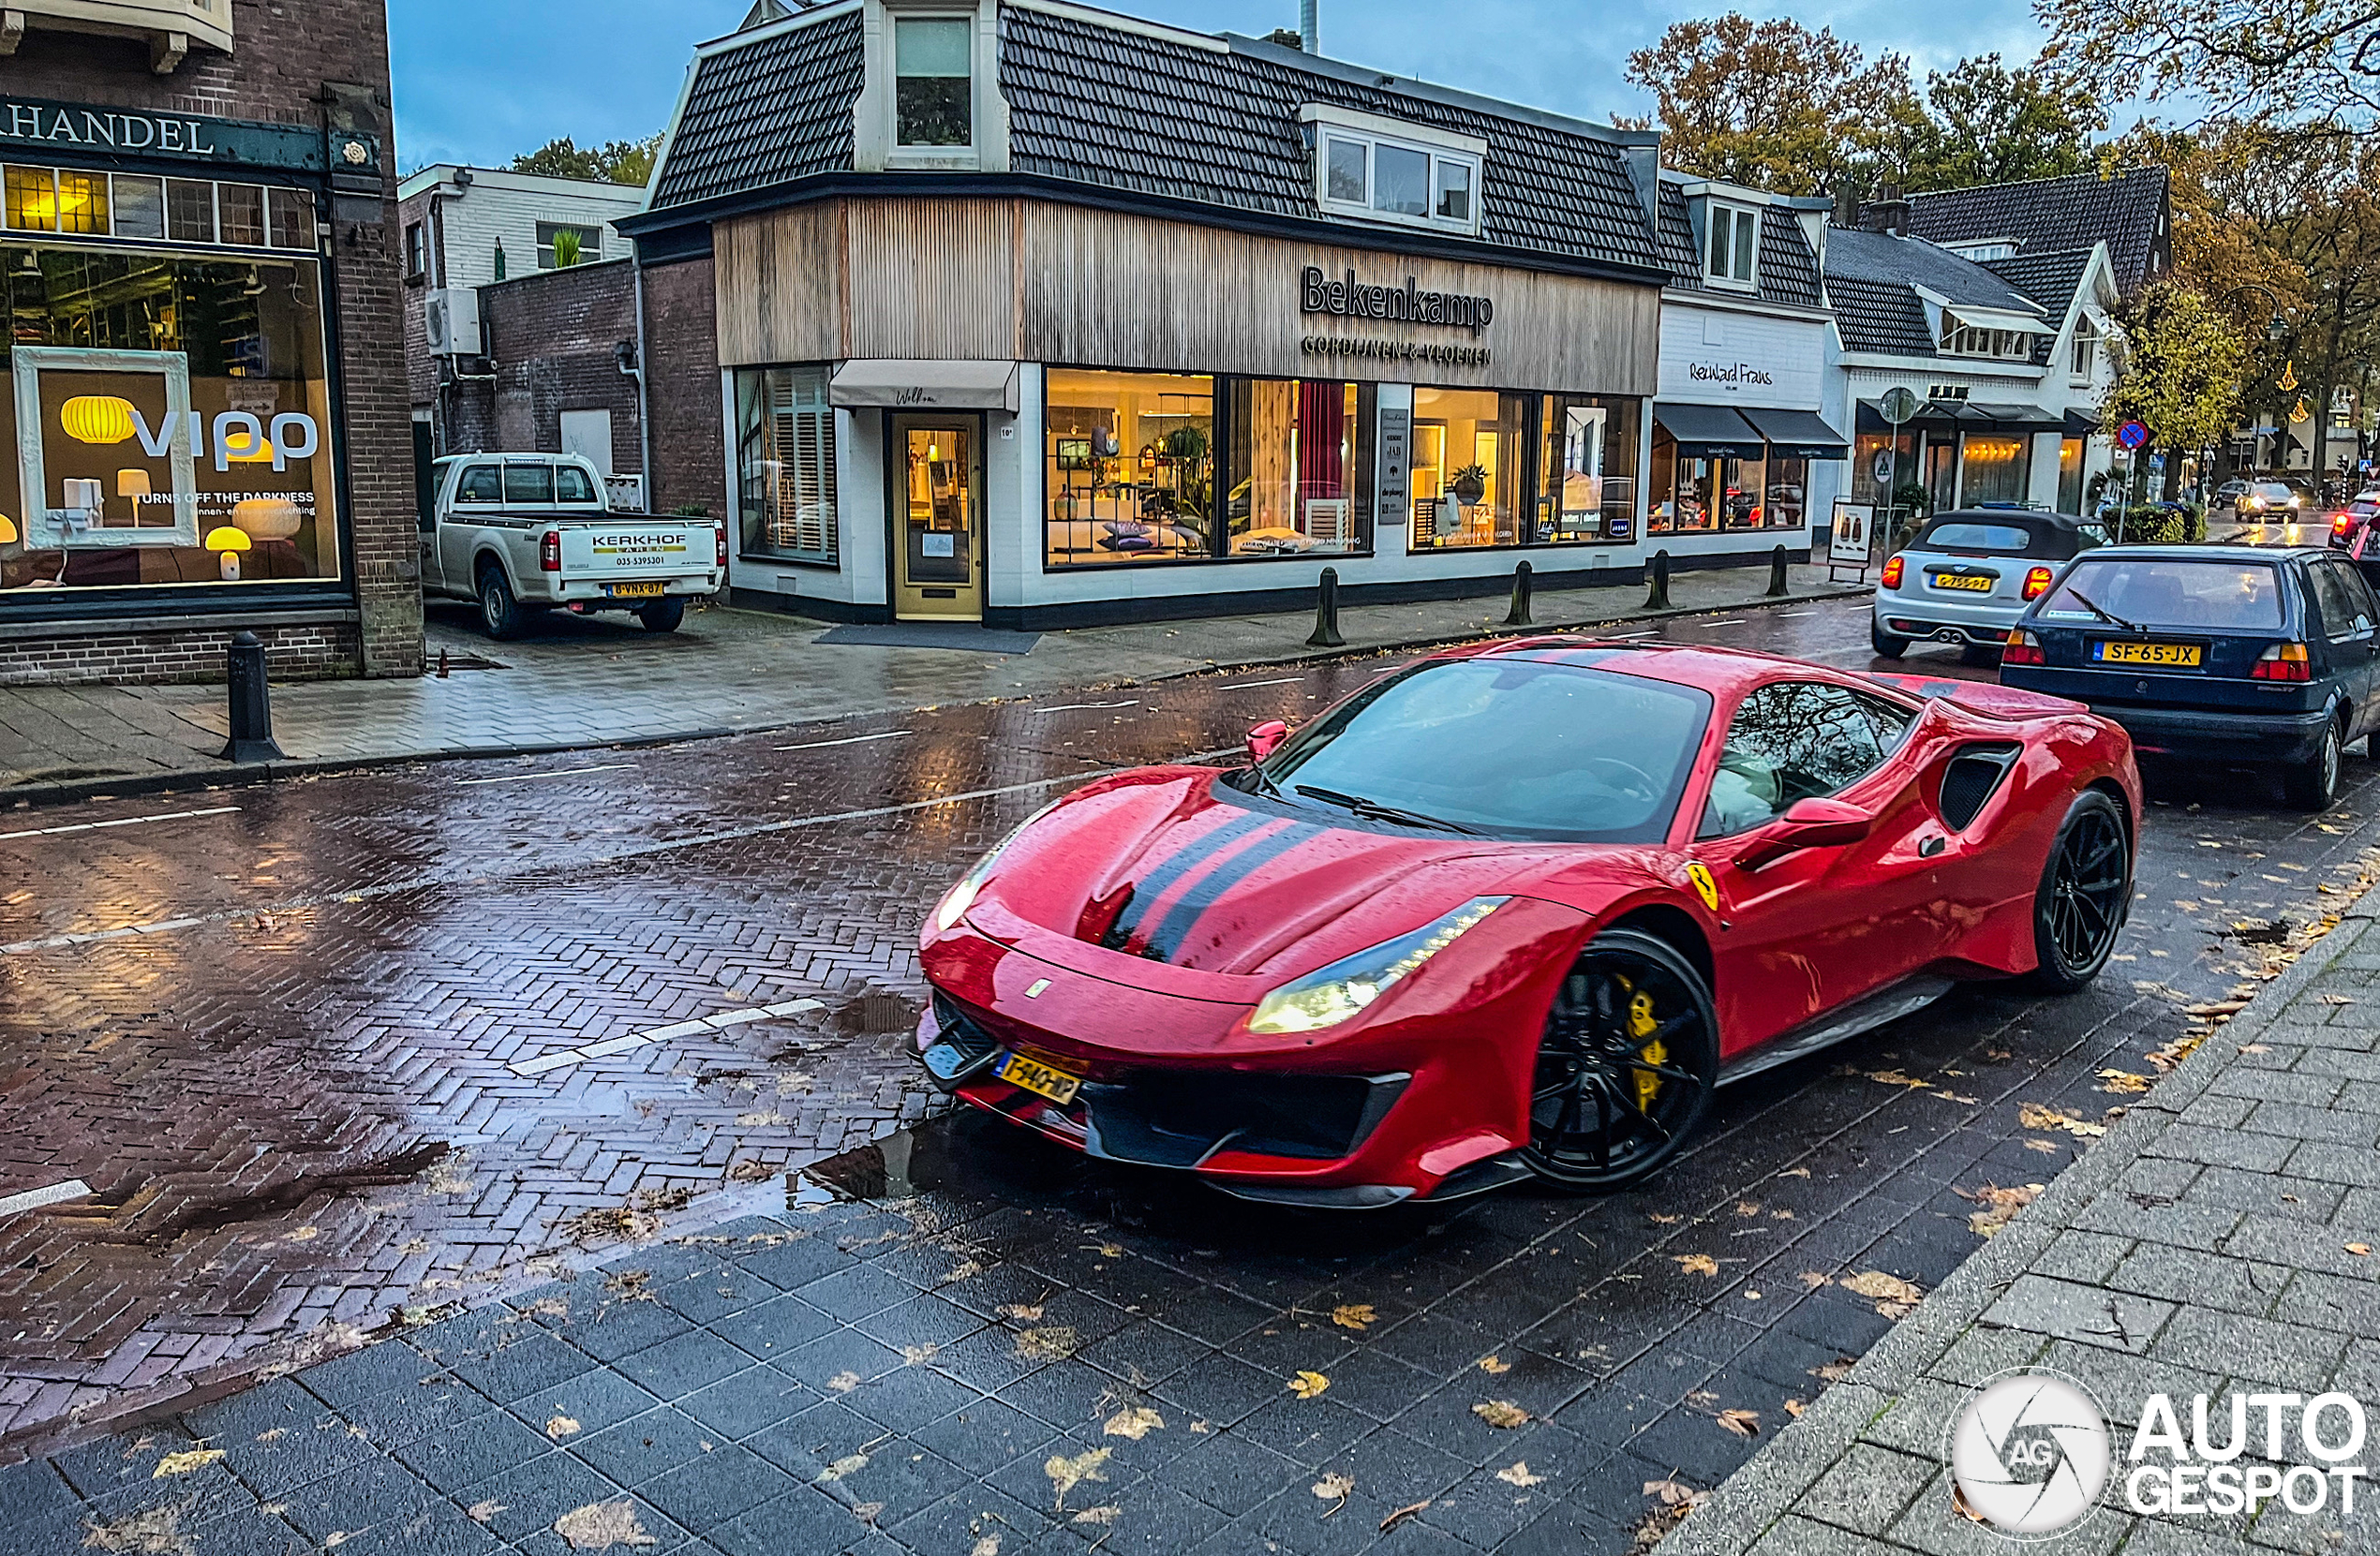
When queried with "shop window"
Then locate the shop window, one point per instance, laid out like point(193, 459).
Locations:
point(1469, 486)
point(1693, 493)
point(1994, 470)
point(292, 219)
point(169, 424)
point(33, 200)
point(239, 213)
point(140, 207)
point(189, 210)
point(82, 202)
point(2070, 475)
point(1294, 469)
point(932, 80)
point(1130, 467)
point(1377, 169)
point(1587, 460)
point(1788, 504)
point(561, 244)
point(1733, 257)
point(785, 464)
point(1878, 463)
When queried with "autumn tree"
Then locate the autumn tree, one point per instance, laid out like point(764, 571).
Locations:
point(614, 162)
point(2315, 62)
point(1987, 124)
point(2183, 364)
point(1775, 106)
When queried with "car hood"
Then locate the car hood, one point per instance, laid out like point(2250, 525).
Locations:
point(1161, 865)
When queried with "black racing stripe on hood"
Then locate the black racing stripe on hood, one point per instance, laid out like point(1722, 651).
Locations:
point(1154, 885)
point(1166, 940)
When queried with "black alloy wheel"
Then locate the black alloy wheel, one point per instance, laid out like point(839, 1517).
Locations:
point(1627, 1065)
point(2085, 889)
point(2313, 785)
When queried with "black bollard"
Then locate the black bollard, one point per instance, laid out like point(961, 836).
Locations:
point(251, 709)
point(1776, 573)
point(1519, 615)
point(1326, 614)
point(1658, 597)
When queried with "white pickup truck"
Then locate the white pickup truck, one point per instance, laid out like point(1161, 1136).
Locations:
point(523, 532)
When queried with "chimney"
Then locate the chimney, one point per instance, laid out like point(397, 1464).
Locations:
point(1310, 26)
point(1888, 212)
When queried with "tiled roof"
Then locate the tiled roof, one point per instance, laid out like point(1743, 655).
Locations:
point(1879, 315)
point(1140, 111)
point(1787, 270)
point(2077, 211)
point(770, 111)
point(1880, 256)
point(2048, 278)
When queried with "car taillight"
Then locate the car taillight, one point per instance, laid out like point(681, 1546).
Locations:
point(1892, 572)
point(2023, 647)
point(2283, 662)
point(720, 554)
point(2036, 583)
point(2341, 525)
point(549, 552)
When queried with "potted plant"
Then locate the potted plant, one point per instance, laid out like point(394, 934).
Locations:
point(1470, 484)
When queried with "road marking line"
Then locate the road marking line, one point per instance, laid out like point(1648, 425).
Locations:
point(1243, 685)
point(643, 851)
point(566, 772)
point(1784, 614)
point(610, 1045)
point(1647, 632)
point(56, 1193)
point(1731, 621)
point(126, 820)
point(847, 740)
point(1079, 707)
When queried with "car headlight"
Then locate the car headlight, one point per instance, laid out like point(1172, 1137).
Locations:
point(1333, 994)
point(955, 901)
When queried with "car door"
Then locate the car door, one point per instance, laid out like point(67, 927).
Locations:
point(433, 580)
point(1820, 926)
point(2349, 617)
point(479, 496)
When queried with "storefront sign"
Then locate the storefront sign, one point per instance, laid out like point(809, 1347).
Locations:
point(1382, 349)
point(1407, 304)
point(1730, 375)
point(1395, 482)
point(88, 129)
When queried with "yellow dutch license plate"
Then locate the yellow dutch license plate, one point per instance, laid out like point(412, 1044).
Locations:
point(2185, 656)
point(633, 591)
point(1042, 1080)
point(1972, 583)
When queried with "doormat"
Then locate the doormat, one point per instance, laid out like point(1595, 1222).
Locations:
point(965, 636)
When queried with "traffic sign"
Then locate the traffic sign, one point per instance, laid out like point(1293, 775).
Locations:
point(1898, 405)
point(2132, 435)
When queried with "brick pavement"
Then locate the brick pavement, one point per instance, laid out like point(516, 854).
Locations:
point(2216, 1241)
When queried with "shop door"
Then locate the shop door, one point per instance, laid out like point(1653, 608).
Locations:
point(1942, 472)
point(938, 518)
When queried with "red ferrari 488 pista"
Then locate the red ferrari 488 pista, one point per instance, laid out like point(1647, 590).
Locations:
point(1515, 911)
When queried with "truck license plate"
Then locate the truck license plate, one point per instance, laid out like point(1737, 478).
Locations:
point(631, 591)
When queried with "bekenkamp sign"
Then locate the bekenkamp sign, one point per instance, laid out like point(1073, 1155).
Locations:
point(1347, 298)
point(91, 128)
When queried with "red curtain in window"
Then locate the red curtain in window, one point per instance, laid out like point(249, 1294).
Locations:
point(1322, 423)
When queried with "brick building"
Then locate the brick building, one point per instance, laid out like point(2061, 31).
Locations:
point(210, 412)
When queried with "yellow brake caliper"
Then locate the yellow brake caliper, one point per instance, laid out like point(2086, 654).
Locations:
point(1641, 1024)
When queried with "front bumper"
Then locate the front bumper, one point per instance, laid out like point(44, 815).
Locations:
point(1423, 1096)
point(2286, 739)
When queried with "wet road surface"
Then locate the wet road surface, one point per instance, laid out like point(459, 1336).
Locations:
point(319, 1050)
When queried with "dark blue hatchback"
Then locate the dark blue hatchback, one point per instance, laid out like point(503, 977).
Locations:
point(2224, 654)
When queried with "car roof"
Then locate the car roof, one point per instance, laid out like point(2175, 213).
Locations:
point(2010, 516)
point(2207, 552)
point(1707, 667)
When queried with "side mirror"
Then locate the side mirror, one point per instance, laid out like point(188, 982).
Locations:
point(1266, 738)
point(1809, 823)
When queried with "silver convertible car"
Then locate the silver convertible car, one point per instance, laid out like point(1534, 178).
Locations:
point(1970, 574)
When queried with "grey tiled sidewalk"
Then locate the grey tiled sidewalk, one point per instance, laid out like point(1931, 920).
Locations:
point(589, 682)
point(2207, 1244)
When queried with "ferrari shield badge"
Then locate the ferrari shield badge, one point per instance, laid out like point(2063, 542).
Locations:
point(1704, 887)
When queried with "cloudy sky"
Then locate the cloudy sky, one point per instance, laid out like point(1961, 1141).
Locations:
point(477, 80)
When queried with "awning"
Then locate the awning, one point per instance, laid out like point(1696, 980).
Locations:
point(924, 385)
point(1708, 431)
point(2080, 425)
point(1797, 434)
point(2009, 418)
point(1997, 318)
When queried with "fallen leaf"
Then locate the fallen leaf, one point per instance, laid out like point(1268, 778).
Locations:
point(1696, 1264)
point(1501, 1413)
point(2047, 1147)
point(2034, 1116)
point(917, 1356)
point(1834, 1371)
point(1675, 1493)
point(1307, 1385)
point(1794, 1408)
point(1959, 1504)
point(1743, 1423)
point(849, 1464)
point(1519, 1476)
point(484, 1512)
point(1947, 1095)
point(1022, 1312)
point(601, 1525)
point(1496, 1365)
point(1399, 1514)
point(1750, 1296)
point(183, 1464)
point(1794, 1172)
point(865, 1511)
point(1354, 1315)
point(1894, 1298)
point(1334, 1488)
point(1893, 1078)
point(335, 1538)
point(1783, 1215)
point(1054, 1344)
point(1133, 1421)
point(1747, 1209)
point(2123, 1083)
point(1660, 1220)
point(304, 1233)
point(1093, 1516)
point(988, 1546)
point(1066, 1473)
point(1999, 1205)
point(271, 1434)
point(561, 1427)
point(2359, 1249)
point(843, 1383)
point(1811, 1280)
point(152, 1531)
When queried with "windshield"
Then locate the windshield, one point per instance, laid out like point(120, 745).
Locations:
point(1968, 536)
point(1512, 747)
point(2273, 492)
point(2169, 592)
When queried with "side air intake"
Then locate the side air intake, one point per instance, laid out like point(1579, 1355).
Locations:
point(1973, 775)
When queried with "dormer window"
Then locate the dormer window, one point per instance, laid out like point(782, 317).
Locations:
point(1997, 248)
point(933, 80)
point(2085, 357)
point(1732, 256)
point(1967, 340)
point(1373, 169)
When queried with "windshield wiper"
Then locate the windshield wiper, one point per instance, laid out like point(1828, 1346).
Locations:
point(2101, 613)
point(1374, 810)
point(1260, 781)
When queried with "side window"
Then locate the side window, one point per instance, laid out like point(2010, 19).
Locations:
point(1793, 740)
point(528, 483)
point(481, 483)
point(1890, 720)
point(2355, 593)
point(571, 485)
point(2329, 601)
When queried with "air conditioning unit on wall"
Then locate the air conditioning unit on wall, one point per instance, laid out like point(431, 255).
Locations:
point(452, 315)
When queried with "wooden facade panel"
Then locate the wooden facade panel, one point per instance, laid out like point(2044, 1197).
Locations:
point(932, 279)
point(779, 277)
